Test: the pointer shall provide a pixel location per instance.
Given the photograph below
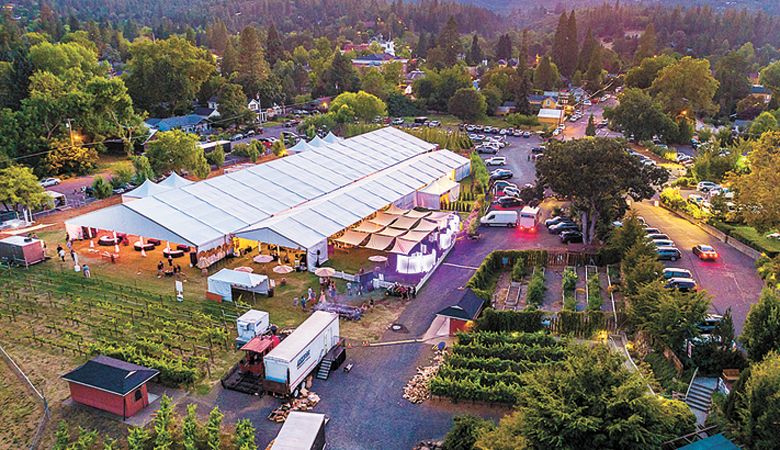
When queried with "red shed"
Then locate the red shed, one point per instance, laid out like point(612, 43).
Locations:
point(455, 318)
point(112, 385)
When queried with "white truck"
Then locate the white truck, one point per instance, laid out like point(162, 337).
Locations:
point(289, 363)
point(529, 218)
point(251, 324)
point(499, 219)
point(301, 431)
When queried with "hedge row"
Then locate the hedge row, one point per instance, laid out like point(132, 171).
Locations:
point(527, 321)
point(496, 338)
point(173, 371)
point(464, 389)
point(493, 364)
point(514, 352)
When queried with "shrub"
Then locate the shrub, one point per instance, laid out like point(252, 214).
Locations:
point(216, 157)
point(247, 150)
point(522, 120)
point(672, 198)
point(101, 188)
point(595, 300)
point(536, 289)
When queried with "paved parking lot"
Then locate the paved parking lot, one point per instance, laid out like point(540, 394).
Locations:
point(732, 280)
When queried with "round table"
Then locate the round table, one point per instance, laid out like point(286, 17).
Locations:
point(174, 253)
point(146, 246)
point(107, 241)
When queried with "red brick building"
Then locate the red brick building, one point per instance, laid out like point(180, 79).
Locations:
point(111, 385)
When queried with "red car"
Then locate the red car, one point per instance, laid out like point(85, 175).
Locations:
point(705, 252)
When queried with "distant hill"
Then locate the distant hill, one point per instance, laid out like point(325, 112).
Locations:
point(510, 6)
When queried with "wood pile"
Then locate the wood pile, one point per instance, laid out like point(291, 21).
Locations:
point(429, 445)
point(417, 389)
point(305, 402)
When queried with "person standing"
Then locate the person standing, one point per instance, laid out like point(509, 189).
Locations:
point(349, 289)
point(295, 302)
point(170, 260)
point(303, 304)
point(61, 253)
point(85, 271)
point(73, 255)
point(160, 266)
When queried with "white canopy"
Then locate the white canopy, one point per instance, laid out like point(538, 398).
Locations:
point(206, 211)
point(403, 247)
point(331, 138)
point(146, 189)
point(396, 211)
point(222, 283)
point(301, 146)
point(440, 186)
point(378, 242)
point(383, 219)
point(352, 238)
point(417, 214)
point(368, 227)
point(415, 236)
point(404, 223)
point(317, 142)
point(392, 232)
point(174, 180)
point(426, 225)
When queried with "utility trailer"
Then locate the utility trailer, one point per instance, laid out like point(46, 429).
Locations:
point(298, 355)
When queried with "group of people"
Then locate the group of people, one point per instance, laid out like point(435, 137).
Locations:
point(174, 270)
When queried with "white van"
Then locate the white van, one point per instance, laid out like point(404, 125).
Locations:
point(499, 219)
point(529, 217)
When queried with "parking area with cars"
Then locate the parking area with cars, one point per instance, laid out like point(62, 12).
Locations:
point(727, 275)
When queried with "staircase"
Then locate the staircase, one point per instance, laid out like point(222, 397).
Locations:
point(699, 397)
point(324, 371)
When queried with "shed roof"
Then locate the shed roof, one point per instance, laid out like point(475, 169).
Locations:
point(111, 375)
point(467, 308)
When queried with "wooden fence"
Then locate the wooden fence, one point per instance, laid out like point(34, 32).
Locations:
point(36, 440)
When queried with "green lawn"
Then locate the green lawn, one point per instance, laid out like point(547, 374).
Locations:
point(449, 120)
point(750, 234)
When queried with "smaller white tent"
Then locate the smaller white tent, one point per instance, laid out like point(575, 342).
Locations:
point(430, 196)
point(301, 146)
point(147, 189)
point(223, 282)
point(332, 138)
point(317, 142)
point(174, 180)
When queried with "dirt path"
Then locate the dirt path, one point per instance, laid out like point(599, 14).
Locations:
point(553, 296)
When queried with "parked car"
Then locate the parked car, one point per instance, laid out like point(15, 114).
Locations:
point(434, 123)
point(517, 133)
point(496, 161)
point(501, 174)
point(668, 253)
point(49, 182)
point(587, 103)
point(537, 150)
point(510, 201)
point(655, 236)
point(526, 134)
point(398, 121)
point(563, 226)
point(705, 186)
point(487, 129)
point(674, 272)
point(572, 236)
point(556, 220)
point(705, 252)
point(237, 137)
point(663, 243)
point(488, 149)
point(649, 230)
point(503, 184)
point(511, 191)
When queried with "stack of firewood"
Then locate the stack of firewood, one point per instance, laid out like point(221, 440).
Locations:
point(417, 389)
point(305, 402)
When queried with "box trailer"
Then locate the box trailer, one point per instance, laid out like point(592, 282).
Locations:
point(21, 250)
point(251, 324)
point(529, 218)
point(289, 363)
point(301, 431)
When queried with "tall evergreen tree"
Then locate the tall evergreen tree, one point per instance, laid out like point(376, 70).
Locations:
point(571, 53)
point(218, 36)
point(586, 53)
point(522, 53)
point(559, 40)
point(521, 84)
point(253, 69)
point(647, 43)
point(593, 75)
point(449, 42)
point(421, 51)
point(475, 55)
point(544, 76)
point(229, 63)
point(504, 47)
point(274, 49)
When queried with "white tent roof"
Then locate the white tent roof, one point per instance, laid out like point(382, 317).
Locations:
point(146, 189)
point(352, 237)
point(238, 278)
point(440, 186)
point(545, 113)
point(417, 214)
point(396, 211)
point(317, 142)
point(299, 431)
point(426, 225)
point(315, 221)
point(331, 138)
point(174, 180)
point(415, 236)
point(378, 242)
point(405, 223)
point(392, 232)
point(301, 146)
point(368, 227)
point(204, 211)
point(402, 246)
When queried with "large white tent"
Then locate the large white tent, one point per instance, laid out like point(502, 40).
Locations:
point(146, 189)
point(297, 201)
point(175, 180)
point(223, 282)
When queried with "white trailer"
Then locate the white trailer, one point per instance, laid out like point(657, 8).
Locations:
point(301, 431)
point(251, 324)
point(289, 363)
point(529, 218)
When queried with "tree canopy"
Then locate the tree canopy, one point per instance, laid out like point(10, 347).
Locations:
point(19, 189)
point(758, 189)
point(597, 174)
point(176, 151)
point(639, 115)
point(686, 86)
point(761, 333)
